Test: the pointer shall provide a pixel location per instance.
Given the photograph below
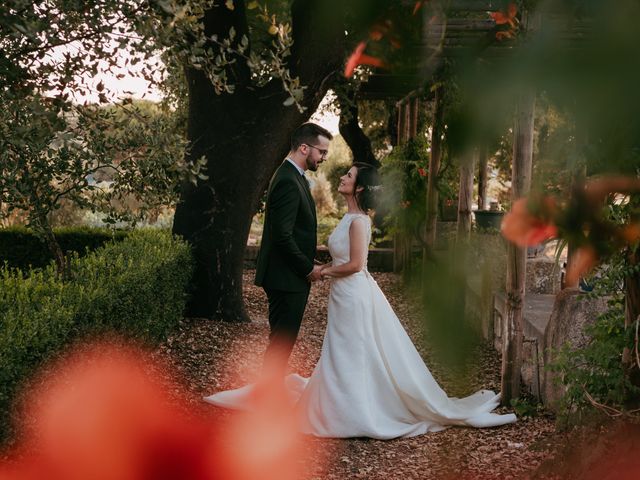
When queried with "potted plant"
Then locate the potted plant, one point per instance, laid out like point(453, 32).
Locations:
point(489, 219)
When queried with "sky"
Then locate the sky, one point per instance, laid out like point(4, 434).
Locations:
point(139, 89)
point(122, 82)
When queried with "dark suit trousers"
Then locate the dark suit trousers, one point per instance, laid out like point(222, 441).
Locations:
point(285, 316)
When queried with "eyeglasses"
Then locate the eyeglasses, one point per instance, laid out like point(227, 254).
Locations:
point(323, 153)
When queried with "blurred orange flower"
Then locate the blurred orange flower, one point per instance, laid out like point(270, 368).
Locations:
point(523, 228)
point(596, 189)
point(376, 34)
point(630, 233)
point(505, 34)
point(508, 17)
point(580, 264)
point(264, 441)
point(107, 413)
point(422, 172)
point(358, 57)
point(418, 5)
point(384, 29)
point(102, 414)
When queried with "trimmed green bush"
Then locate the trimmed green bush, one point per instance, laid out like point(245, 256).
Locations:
point(135, 288)
point(21, 248)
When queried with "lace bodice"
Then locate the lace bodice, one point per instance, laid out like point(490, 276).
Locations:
point(339, 239)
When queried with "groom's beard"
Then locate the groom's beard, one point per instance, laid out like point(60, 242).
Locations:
point(311, 165)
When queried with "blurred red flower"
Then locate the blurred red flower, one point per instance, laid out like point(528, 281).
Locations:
point(630, 233)
point(507, 17)
point(102, 414)
point(358, 57)
point(524, 229)
point(418, 5)
point(107, 413)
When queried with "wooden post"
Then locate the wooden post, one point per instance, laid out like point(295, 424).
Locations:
point(413, 117)
point(465, 197)
point(406, 113)
point(397, 244)
point(411, 127)
point(434, 168)
point(482, 178)
point(517, 256)
point(401, 253)
point(401, 124)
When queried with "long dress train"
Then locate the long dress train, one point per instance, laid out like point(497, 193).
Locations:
point(370, 380)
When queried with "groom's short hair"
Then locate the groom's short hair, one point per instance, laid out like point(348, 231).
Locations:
point(308, 133)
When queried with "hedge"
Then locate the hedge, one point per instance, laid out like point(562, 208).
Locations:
point(21, 248)
point(135, 288)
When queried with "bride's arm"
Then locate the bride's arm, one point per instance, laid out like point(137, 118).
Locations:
point(357, 252)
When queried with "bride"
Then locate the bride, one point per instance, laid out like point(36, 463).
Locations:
point(370, 380)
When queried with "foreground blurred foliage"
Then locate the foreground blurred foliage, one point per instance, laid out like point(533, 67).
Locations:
point(135, 287)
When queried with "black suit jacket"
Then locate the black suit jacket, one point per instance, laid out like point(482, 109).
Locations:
point(289, 237)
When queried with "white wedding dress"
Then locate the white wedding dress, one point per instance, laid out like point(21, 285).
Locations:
point(370, 380)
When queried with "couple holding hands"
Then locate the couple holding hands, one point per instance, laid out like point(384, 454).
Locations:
point(370, 380)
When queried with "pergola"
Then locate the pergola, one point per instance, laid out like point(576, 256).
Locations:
point(450, 30)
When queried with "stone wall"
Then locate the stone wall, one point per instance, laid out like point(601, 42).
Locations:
point(550, 321)
point(551, 318)
point(543, 276)
point(572, 312)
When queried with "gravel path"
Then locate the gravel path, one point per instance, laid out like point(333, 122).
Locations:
point(212, 356)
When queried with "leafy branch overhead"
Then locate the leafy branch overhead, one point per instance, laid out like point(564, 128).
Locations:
point(257, 53)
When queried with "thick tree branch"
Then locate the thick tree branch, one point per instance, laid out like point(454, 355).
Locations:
point(355, 137)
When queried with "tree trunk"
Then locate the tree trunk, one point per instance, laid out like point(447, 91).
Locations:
point(244, 137)
point(401, 250)
point(44, 228)
point(482, 178)
point(353, 135)
point(465, 197)
point(414, 108)
point(517, 256)
point(434, 169)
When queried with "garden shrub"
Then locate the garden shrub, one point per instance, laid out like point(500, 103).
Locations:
point(21, 248)
point(135, 288)
point(326, 225)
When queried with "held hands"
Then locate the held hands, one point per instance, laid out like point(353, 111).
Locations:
point(316, 273)
point(319, 272)
point(325, 272)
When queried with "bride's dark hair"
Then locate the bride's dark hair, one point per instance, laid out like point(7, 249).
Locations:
point(369, 179)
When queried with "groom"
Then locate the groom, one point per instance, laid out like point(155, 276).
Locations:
point(285, 266)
